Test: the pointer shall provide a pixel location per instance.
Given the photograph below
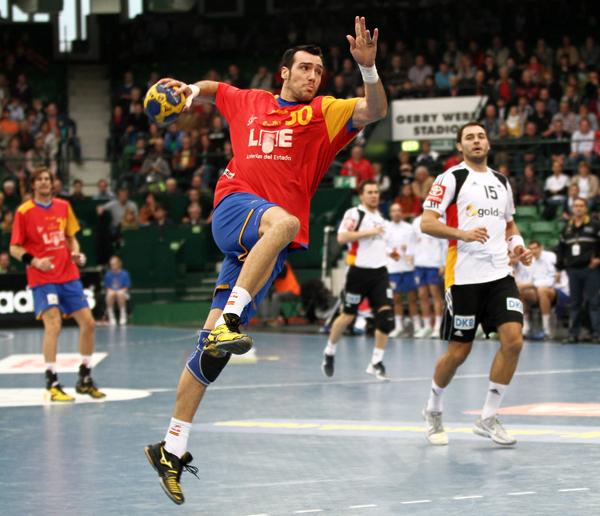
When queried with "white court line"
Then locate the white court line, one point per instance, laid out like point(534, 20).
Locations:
point(366, 506)
point(521, 493)
point(394, 380)
point(6, 335)
point(470, 497)
point(415, 501)
point(306, 511)
point(573, 489)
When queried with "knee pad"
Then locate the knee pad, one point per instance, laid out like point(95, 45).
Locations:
point(384, 321)
point(204, 367)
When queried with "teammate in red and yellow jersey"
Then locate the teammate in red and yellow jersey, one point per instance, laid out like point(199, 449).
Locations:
point(43, 238)
point(282, 147)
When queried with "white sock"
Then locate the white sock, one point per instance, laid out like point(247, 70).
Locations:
point(438, 323)
point(428, 323)
point(398, 322)
point(177, 436)
point(238, 299)
point(330, 349)
point(416, 322)
point(51, 366)
point(434, 403)
point(377, 355)
point(111, 315)
point(493, 399)
point(546, 323)
point(86, 360)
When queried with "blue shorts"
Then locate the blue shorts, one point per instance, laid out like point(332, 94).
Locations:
point(235, 223)
point(403, 281)
point(428, 276)
point(68, 297)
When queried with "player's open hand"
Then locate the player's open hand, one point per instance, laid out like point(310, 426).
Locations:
point(524, 255)
point(395, 255)
point(476, 235)
point(179, 88)
point(363, 46)
point(44, 264)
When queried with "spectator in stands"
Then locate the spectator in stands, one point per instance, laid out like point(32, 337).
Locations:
point(7, 223)
point(137, 121)
point(579, 253)
point(160, 217)
point(531, 152)
point(173, 138)
point(184, 161)
point(8, 127)
point(504, 169)
point(21, 89)
point(465, 72)
point(588, 183)
point(556, 189)
point(422, 182)
point(529, 192)
point(572, 196)
point(569, 50)
point(116, 208)
point(123, 93)
point(193, 215)
point(339, 89)
point(504, 87)
point(569, 119)
point(13, 160)
point(541, 116)
point(147, 210)
point(117, 284)
point(117, 127)
point(12, 197)
point(262, 79)
point(155, 167)
point(418, 72)
point(590, 53)
point(38, 156)
point(395, 75)
point(442, 79)
point(540, 288)
point(514, 122)
point(490, 122)
point(5, 265)
point(103, 192)
point(383, 182)
point(585, 114)
point(428, 156)
point(77, 191)
point(130, 220)
point(58, 189)
point(358, 166)
point(560, 148)
point(410, 204)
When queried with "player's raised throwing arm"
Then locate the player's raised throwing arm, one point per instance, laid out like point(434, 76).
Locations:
point(363, 47)
point(204, 91)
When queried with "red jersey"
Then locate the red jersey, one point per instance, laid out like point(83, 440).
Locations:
point(42, 231)
point(282, 150)
point(362, 170)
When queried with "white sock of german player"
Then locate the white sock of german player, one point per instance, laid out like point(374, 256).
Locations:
point(416, 320)
point(493, 399)
point(438, 323)
point(546, 323)
point(427, 323)
point(377, 355)
point(238, 300)
point(330, 349)
point(177, 435)
point(434, 403)
point(398, 322)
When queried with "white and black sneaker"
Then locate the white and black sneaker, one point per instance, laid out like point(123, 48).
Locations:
point(492, 428)
point(378, 370)
point(327, 365)
point(435, 428)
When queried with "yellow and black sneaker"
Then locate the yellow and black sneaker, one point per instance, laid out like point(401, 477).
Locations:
point(226, 338)
point(169, 468)
point(85, 384)
point(54, 390)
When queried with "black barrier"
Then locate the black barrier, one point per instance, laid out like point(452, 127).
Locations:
point(16, 300)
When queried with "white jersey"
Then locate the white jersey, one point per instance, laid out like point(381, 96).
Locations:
point(471, 199)
point(367, 252)
point(400, 238)
point(429, 251)
point(543, 270)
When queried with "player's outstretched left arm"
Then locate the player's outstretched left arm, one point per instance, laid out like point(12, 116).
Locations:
point(363, 47)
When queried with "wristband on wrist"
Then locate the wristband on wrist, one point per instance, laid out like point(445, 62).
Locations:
point(369, 74)
point(515, 241)
point(27, 258)
point(195, 90)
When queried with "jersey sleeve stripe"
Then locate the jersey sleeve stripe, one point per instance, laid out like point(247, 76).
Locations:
point(337, 113)
point(452, 221)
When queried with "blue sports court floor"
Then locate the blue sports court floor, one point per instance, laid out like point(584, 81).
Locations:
point(275, 437)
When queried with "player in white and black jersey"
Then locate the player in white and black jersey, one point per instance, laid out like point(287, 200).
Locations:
point(363, 229)
point(477, 203)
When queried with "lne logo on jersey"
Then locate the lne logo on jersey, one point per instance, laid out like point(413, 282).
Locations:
point(268, 140)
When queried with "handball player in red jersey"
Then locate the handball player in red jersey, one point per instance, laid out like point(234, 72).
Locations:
point(282, 147)
point(43, 238)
